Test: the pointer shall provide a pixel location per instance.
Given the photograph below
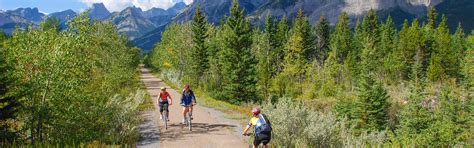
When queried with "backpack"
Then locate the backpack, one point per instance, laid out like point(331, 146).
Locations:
point(265, 126)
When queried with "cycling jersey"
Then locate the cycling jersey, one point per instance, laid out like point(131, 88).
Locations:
point(164, 96)
point(188, 98)
point(255, 122)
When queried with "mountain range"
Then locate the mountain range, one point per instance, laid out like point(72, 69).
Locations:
point(144, 27)
point(131, 21)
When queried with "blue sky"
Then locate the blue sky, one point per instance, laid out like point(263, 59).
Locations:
point(50, 6)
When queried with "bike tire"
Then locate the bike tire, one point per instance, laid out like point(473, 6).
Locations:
point(165, 119)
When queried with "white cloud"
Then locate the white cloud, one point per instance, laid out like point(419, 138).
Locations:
point(118, 5)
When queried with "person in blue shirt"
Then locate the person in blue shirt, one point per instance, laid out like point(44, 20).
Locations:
point(188, 100)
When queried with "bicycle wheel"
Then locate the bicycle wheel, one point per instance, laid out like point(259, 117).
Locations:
point(165, 119)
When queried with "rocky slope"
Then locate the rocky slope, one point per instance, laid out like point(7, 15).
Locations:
point(132, 22)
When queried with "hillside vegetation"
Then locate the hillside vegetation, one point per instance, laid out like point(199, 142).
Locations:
point(372, 84)
point(78, 85)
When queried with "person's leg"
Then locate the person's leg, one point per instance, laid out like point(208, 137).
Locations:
point(256, 142)
point(185, 111)
point(160, 105)
point(167, 111)
point(191, 111)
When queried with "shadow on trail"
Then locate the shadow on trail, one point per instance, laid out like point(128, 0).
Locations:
point(148, 130)
point(178, 131)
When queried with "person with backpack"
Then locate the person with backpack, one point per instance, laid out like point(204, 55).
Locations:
point(188, 100)
point(262, 128)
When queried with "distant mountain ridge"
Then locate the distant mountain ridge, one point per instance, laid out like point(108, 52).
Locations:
point(131, 21)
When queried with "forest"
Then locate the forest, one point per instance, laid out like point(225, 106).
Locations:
point(350, 84)
point(71, 85)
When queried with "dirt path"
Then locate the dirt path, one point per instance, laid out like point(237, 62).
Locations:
point(207, 132)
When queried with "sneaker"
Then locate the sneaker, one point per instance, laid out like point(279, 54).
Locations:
point(161, 117)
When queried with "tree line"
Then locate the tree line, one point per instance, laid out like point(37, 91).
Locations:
point(70, 85)
point(415, 83)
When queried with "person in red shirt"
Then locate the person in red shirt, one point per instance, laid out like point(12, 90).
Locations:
point(164, 100)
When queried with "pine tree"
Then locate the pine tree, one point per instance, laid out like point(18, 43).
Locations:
point(387, 45)
point(458, 47)
point(372, 105)
point(302, 28)
point(432, 16)
point(468, 66)
point(415, 118)
point(271, 30)
point(439, 57)
point(281, 37)
point(237, 60)
point(370, 26)
point(199, 54)
point(265, 66)
point(340, 40)
point(322, 39)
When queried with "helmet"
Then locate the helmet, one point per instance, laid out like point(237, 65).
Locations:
point(163, 88)
point(256, 111)
point(186, 87)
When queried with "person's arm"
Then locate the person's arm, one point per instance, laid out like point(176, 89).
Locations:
point(194, 98)
point(247, 128)
point(170, 99)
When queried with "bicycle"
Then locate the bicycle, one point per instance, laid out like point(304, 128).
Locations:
point(188, 121)
point(165, 116)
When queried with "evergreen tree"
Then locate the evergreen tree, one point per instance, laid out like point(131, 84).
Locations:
point(281, 38)
point(468, 66)
point(282, 31)
point(451, 125)
point(322, 39)
point(372, 105)
point(432, 16)
point(387, 46)
point(370, 26)
point(302, 28)
point(271, 30)
point(458, 47)
point(415, 118)
point(340, 40)
point(265, 67)
point(199, 52)
point(237, 59)
point(398, 62)
point(439, 60)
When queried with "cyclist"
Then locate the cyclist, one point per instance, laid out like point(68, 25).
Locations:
point(164, 100)
point(261, 127)
point(188, 100)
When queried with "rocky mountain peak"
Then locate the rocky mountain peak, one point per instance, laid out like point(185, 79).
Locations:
point(98, 11)
point(31, 14)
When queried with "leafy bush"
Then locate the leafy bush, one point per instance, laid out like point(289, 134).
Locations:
point(294, 125)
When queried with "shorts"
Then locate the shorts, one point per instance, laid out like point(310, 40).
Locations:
point(262, 139)
point(164, 106)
